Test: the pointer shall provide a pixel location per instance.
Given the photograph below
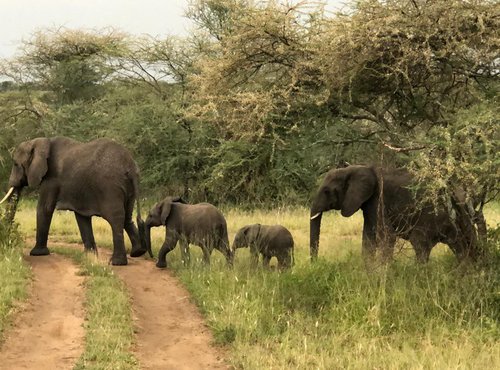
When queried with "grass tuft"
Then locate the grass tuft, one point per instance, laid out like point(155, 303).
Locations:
point(14, 273)
point(108, 328)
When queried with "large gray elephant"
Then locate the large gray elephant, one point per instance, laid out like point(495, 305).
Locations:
point(200, 224)
point(390, 211)
point(98, 178)
point(268, 240)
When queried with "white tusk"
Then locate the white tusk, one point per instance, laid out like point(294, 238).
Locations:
point(316, 215)
point(7, 196)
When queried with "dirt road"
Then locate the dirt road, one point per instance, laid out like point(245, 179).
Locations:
point(171, 333)
point(48, 332)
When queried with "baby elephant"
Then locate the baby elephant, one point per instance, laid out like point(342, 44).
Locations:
point(200, 224)
point(268, 240)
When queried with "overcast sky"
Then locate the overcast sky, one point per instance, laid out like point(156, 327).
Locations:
point(20, 18)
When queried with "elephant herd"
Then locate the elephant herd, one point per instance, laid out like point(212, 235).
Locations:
point(100, 178)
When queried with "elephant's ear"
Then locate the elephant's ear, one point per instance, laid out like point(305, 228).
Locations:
point(38, 166)
point(245, 229)
point(166, 207)
point(252, 232)
point(360, 186)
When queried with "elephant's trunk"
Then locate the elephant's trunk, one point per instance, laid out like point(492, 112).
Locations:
point(315, 226)
point(144, 236)
point(147, 239)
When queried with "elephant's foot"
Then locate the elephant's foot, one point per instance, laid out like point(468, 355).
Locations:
point(40, 251)
point(137, 252)
point(161, 264)
point(119, 260)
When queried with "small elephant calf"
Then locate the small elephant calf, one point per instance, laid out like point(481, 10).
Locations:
point(200, 224)
point(268, 240)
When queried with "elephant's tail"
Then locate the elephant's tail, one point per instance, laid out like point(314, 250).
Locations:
point(141, 226)
point(140, 222)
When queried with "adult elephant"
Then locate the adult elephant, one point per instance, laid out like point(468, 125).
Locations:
point(390, 210)
point(98, 178)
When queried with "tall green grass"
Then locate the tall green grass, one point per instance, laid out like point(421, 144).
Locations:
point(335, 314)
point(14, 273)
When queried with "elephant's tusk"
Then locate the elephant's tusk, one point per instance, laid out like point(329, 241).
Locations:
point(316, 215)
point(7, 196)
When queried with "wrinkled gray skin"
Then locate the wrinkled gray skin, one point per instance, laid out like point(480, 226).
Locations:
point(98, 178)
point(268, 240)
point(358, 187)
point(200, 224)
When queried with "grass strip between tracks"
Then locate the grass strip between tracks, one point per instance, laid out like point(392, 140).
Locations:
point(109, 329)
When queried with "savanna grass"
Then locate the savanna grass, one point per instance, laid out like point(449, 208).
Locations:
point(14, 273)
point(335, 314)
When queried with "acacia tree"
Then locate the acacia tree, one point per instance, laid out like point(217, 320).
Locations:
point(71, 64)
point(419, 78)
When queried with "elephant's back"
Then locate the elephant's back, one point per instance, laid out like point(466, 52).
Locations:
point(94, 174)
point(100, 159)
point(202, 216)
point(279, 236)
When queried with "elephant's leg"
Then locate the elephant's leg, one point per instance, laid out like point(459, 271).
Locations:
point(254, 257)
point(422, 253)
point(265, 261)
point(223, 247)
point(207, 251)
point(119, 256)
point(85, 226)
point(168, 245)
point(422, 246)
point(137, 248)
point(284, 260)
point(369, 248)
point(387, 247)
point(133, 234)
point(186, 255)
point(44, 211)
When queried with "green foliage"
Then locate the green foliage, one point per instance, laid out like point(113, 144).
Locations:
point(264, 97)
point(463, 152)
point(406, 74)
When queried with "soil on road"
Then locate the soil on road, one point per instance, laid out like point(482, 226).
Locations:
point(171, 333)
point(48, 331)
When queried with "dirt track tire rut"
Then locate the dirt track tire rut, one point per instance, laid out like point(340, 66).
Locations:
point(171, 333)
point(48, 331)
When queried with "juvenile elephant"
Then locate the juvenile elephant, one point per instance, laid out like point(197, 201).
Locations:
point(200, 224)
point(98, 178)
point(268, 240)
point(386, 201)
